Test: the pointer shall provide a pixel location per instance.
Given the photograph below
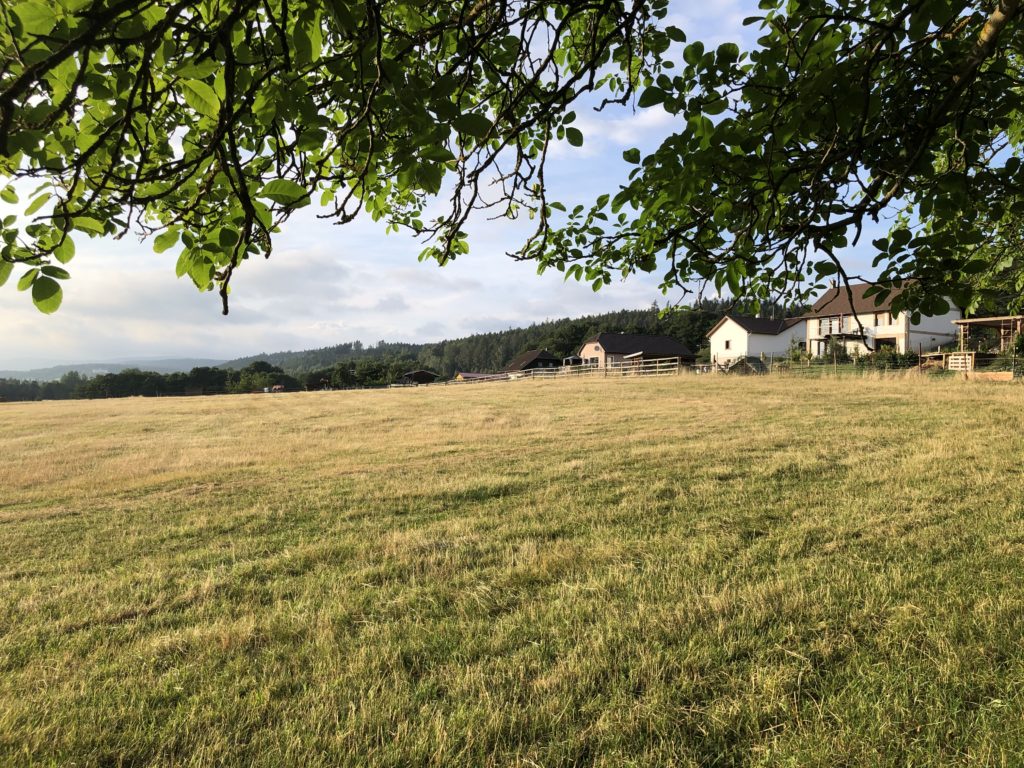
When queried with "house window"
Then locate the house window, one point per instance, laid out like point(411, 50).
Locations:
point(728, 344)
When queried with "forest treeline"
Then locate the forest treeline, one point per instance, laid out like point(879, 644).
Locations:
point(491, 351)
point(356, 365)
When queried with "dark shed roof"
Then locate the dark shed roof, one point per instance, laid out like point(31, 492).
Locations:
point(631, 343)
point(531, 357)
point(419, 377)
point(762, 325)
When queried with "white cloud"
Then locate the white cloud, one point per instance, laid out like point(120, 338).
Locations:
point(325, 284)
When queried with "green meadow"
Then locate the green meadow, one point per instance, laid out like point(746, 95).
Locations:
point(688, 571)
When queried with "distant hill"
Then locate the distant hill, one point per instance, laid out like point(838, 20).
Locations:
point(491, 351)
point(54, 372)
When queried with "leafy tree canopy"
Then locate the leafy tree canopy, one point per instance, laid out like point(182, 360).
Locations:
point(206, 123)
point(844, 114)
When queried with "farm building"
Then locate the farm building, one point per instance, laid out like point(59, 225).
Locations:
point(736, 337)
point(607, 349)
point(533, 358)
point(418, 377)
point(992, 336)
point(853, 320)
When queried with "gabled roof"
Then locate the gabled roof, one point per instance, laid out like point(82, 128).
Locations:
point(420, 375)
point(631, 343)
point(519, 362)
point(759, 325)
point(836, 301)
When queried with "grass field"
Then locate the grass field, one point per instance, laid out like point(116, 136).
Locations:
point(685, 571)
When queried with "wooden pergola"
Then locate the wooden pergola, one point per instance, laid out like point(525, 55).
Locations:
point(1009, 327)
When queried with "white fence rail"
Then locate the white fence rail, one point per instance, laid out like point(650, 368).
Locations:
point(668, 366)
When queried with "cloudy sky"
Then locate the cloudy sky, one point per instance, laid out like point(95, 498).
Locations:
point(327, 284)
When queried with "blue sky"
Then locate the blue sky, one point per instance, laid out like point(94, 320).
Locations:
point(327, 284)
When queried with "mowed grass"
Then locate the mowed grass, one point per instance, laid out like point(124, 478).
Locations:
point(685, 571)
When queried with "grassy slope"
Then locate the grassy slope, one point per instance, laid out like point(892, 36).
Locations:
point(687, 571)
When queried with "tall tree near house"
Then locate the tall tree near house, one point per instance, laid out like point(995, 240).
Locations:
point(1000, 285)
point(206, 123)
point(845, 114)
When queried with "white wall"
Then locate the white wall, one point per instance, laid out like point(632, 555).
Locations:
point(743, 344)
point(731, 332)
point(932, 332)
point(775, 346)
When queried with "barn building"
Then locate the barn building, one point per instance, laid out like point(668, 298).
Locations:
point(608, 349)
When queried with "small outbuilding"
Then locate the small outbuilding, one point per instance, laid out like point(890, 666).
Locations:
point(418, 377)
point(532, 358)
point(1000, 335)
point(606, 349)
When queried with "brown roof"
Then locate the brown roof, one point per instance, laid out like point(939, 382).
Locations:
point(836, 301)
point(520, 362)
point(761, 325)
point(631, 343)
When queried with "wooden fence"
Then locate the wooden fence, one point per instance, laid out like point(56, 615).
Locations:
point(668, 366)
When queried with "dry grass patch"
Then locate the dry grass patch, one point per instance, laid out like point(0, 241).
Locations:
point(688, 571)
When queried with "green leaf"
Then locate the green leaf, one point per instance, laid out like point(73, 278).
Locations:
point(5, 271)
point(47, 295)
point(728, 53)
point(55, 272)
point(181, 267)
point(227, 237)
point(37, 17)
point(675, 34)
point(166, 240)
point(285, 192)
point(574, 136)
point(652, 96)
point(36, 204)
point(631, 156)
point(201, 97)
point(88, 224)
point(65, 252)
point(8, 195)
point(693, 53)
point(472, 123)
point(26, 280)
point(901, 237)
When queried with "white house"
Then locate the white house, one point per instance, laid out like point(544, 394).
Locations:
point(739, 336)
point(853, 320)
